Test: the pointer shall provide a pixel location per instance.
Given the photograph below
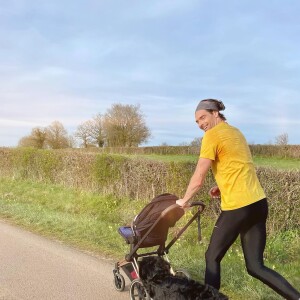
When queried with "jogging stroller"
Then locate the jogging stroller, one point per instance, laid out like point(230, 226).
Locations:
point(149, 229)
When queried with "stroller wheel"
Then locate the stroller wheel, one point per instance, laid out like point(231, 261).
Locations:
point(137, 291)
point(182, 273)
point(119, 282)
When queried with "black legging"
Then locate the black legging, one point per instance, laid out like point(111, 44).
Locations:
point(250, 223)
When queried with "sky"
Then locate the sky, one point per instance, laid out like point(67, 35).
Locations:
point(70, 60)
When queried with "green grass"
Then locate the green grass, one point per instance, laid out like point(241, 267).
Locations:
point(80, 218)
point(278, 163)
point(90, 222)
point(260, 161)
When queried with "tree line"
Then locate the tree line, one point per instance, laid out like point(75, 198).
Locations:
point(120, 126)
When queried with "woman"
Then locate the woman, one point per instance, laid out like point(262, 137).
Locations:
point(243, 201)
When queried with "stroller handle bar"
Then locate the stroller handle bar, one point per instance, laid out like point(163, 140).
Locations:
point(197, 203)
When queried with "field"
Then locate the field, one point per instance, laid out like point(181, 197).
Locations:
point(89, 220)
point(259, 161)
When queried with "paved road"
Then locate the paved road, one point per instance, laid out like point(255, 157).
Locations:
point(35, 268)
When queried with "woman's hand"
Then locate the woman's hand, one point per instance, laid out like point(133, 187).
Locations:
point(214, 192)
point(182, 203)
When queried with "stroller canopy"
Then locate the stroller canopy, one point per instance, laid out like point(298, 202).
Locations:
point(149, 215)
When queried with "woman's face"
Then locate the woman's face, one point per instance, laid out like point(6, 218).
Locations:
point(206, 120)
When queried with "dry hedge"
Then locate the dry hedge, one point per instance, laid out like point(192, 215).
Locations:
point(143, 179)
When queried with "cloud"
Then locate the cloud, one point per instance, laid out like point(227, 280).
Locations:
point(69, 60)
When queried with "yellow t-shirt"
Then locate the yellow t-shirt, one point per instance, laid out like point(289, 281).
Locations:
point(232, 166)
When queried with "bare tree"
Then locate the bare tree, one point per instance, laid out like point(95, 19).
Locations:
point(91, 132)
point(72, 142)
point(83, 134)
point(196, 142)
point(124, 126)
point(57, 136)
point(97, 130)
point(26, 141)
point(282, 139)
point(37, 139)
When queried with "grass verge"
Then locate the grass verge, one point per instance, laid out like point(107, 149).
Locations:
point(90, 222)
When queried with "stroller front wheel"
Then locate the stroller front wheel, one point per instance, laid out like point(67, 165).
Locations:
point(138, 291)
point(119, 282)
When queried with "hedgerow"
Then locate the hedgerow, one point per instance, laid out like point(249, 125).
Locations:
point(142, 179)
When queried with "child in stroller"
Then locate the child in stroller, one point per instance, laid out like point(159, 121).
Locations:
point(149, 229)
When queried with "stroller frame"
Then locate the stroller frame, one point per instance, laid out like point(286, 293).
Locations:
point(130, 264)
